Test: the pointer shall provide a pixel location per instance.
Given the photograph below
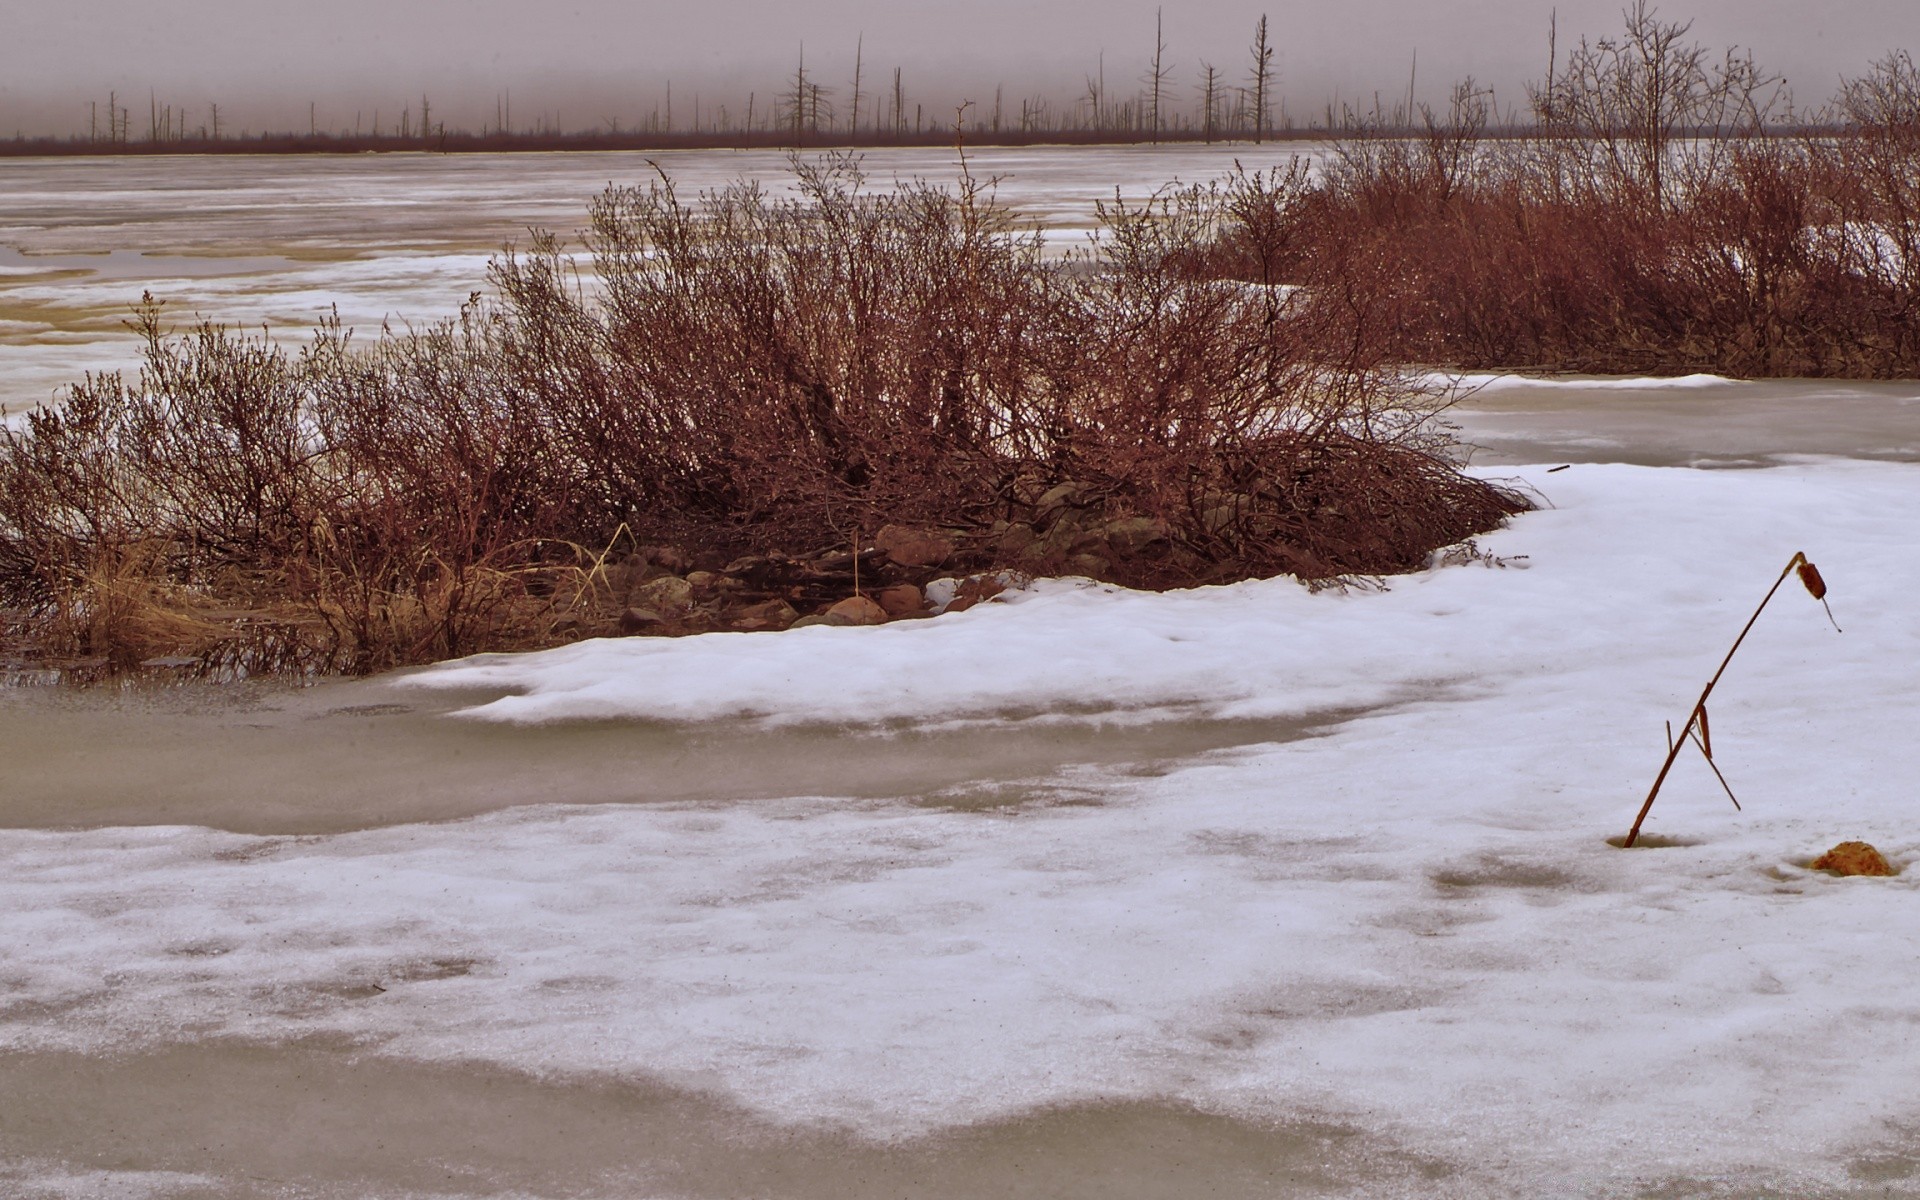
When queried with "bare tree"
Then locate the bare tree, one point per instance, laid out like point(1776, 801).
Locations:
point(795, 101)
point(859, 45)
point(1262, 78)
point(1209, 99)
point(1157, 76)
point(1621, 103)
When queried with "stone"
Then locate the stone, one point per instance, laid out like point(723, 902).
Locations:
point(815, 619)
point(669, 593)
point(858, 610)
point(769, 614)
point(940, 593)
point(1220, 518)
point(1131, 535)
point(1093, 566)
point(973, 590)
point(1017, 538)
point(1028, 488)
point(704, 583)
point(1058, 497)
point(668, 558)
point(640, 620)
point(901, 600)
point(1067, 537)
point(1853, 858)
point(754, 570)
point(908, 547)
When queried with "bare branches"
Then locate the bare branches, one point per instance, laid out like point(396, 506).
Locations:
point(752, 375)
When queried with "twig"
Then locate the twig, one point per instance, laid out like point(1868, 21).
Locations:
point(1817, 588)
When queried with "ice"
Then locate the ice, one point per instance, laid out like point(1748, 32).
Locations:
point(1414, 922)
point(254, 241)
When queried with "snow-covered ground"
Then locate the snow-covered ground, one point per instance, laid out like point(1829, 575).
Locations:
point(1411, 924)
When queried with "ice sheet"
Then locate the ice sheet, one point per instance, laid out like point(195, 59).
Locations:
point(263, 240)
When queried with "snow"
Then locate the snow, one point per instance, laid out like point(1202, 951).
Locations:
point(1412, 921)
point(1473, 383)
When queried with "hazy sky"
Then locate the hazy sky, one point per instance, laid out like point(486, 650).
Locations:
point(600, 60)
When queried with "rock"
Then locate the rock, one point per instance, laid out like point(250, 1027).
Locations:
point(619, 578)
point(705, 583)
point(973, 590)
point(669, 593)
point(1067, 537)
point(755, 570)
point(1058, 497)
point(1220, 518)
point(906, 547)
point(1028, 488)
point(858, 610)
point(1131, 535)
point(901, 600)
point(668, 558)
point(770, 614)
point(815, 619)
point(1093, 566)
point(1017, 538)
point(940, 593)
point(1853, 858)
point(640, 620)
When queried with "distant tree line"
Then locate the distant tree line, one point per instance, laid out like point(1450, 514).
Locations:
point(1160, 104)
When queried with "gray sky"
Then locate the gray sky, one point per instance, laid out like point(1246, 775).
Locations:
point(598, 60)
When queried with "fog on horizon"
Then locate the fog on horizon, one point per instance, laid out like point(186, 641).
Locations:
point(588, 63)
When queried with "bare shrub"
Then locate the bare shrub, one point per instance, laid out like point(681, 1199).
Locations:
point(1654, 220)
point(757, 377)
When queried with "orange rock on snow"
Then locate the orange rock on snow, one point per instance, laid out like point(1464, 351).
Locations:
point(1853, 858)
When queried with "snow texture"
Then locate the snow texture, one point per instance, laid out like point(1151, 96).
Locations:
point(1471, 383)
point(1413, 922)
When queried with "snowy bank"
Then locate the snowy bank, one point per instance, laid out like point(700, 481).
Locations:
point(1471, 382)
point(1413, 923)
point(1614, 568)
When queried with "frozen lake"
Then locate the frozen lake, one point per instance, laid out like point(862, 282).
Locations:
point(281, 241)
point(1234, 892)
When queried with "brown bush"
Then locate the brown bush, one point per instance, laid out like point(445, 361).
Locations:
point(1654, 219)
point(753, 377)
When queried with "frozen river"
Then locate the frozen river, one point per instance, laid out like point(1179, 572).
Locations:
point(1234, 892)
